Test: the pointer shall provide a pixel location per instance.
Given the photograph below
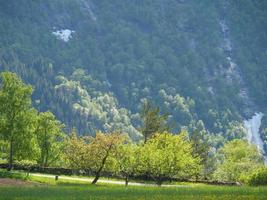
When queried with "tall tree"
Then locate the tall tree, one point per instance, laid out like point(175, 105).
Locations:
point(17, 119)
point(49, 137)
point(152, 120)
point(200, 148)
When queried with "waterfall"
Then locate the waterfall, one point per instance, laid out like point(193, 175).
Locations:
point(234, 76)
point(233, 73)
point(253, 135)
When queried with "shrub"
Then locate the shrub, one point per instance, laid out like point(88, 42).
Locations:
point(259, 177)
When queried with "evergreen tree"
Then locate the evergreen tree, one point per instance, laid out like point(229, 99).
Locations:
point(152, 120)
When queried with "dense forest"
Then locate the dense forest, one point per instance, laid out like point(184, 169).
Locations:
point(31, 139)
point(94, 63)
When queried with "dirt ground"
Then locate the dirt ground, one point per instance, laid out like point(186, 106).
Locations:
point(14, 182)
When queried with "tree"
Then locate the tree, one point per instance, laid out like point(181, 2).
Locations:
point(75, 151)
point(167, 156)
point(101, 147)
point(93, 153)
point(49, 137)
point(125, 156)
point(239, 159)
point(153, 121)
point(200, 148)
point(17, 119)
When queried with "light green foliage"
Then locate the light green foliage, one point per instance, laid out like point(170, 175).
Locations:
point(181, 108)
point(75, 151)
point(49, 138)
point(101, 148)
point(126, 156)
point(238, 160)
point(94, 153)
point(167, 156)
point(100, 110)
point(258, 177)
point(18, 118)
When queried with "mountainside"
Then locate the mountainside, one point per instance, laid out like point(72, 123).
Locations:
point(93, 62)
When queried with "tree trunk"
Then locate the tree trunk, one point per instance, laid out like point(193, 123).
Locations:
point(126, 180)
point(96, 178)
point(10, 162)
point(97, 175)
point(159, 181)
point(145, 138)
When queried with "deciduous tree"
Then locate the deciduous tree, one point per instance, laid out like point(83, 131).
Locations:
point(49, 137)
point(167, 156)
point(238, 160)
point(125, 156)
point(17, 119)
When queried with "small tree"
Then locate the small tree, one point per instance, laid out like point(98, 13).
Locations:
point(167, 156)
point(101, 147)
point(125, 156)
point(200, 148)
point(49, 137)
point(239, 159)
point(18, 118)
point(153, 121)
point(93, 153)
point(75, 151)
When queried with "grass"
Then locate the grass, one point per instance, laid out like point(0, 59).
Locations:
point(82, 191)
point(67, 189)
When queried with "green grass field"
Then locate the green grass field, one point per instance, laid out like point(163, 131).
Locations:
point(49, 189)
point(70, 191)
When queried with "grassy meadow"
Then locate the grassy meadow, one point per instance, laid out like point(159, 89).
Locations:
point(48, 188)
point(83, 191)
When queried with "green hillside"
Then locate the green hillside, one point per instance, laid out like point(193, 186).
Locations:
point(203, 62)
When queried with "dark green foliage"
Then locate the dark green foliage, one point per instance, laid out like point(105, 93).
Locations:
point(152, 121)
point(124, 52)
point(169, 51)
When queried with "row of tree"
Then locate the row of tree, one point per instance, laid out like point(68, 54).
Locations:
point(162, 157)
point(26, 134)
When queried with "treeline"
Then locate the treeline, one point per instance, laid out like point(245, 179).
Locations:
point(29, 136)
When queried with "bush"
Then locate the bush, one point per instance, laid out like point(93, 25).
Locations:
point(259, 177)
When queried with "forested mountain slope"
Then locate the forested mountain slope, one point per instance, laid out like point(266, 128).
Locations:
point(93, 62)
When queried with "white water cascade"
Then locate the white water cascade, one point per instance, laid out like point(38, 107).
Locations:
point(253, 135)
point(233, 73)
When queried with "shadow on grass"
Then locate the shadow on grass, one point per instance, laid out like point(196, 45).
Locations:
point(7, 174)
point(84, 185)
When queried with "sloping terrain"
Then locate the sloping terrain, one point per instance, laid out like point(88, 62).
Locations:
point(93, 62)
